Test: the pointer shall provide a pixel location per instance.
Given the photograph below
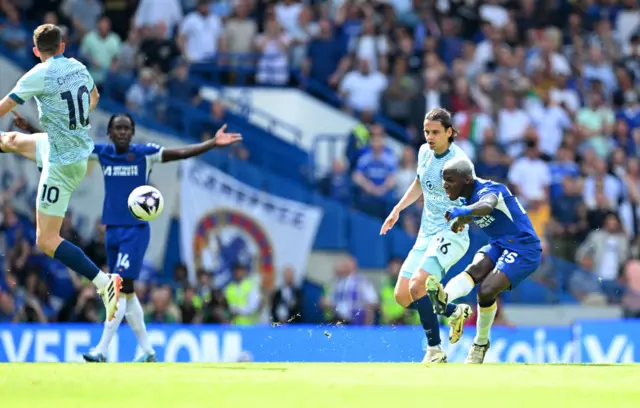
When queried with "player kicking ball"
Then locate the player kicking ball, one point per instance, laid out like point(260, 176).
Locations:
point(65, 93)
point(437, 248)
point(127, 238)
point(513, 253)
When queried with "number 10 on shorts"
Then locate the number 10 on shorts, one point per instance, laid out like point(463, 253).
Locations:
point(50, 194)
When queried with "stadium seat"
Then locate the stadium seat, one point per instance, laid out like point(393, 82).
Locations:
point(332, 232)
point(365, 242)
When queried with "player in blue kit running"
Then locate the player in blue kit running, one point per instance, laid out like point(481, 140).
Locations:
point(513, 253)
point(65, 94)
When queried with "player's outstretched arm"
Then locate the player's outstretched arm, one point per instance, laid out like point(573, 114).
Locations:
point(410, 196)
point(221, 139)
point(483, 207)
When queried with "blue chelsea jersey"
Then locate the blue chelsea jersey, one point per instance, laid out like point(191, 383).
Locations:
point(122, 174)
point(508, 224)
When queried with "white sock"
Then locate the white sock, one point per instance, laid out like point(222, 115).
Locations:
point(135, 318)
point(111, 327)
point(101, 280)
point(461, 285)
point(486, 315)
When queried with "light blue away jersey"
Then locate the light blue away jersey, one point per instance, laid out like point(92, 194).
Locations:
point(62, 88)
point(436, 201)
point(508, 224)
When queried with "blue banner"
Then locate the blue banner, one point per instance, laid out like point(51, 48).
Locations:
point(585, 342)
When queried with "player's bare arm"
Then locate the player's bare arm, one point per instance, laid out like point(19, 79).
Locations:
point(221, 139)
point(410, 196)
point(7, 105)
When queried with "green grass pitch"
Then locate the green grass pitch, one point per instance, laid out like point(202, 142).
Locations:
point(318, 385)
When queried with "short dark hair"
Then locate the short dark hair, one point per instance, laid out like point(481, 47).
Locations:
point(47, 38)
point(121, 115)
point(444, 117)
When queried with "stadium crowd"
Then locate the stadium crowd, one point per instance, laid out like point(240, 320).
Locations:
point(545, 95)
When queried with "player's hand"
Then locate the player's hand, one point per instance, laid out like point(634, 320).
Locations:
point(224, 139)
point(390, 221)
point(457, 226)
point(455, 212)
point(20, 122)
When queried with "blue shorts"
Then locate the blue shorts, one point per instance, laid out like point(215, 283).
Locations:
point(516, 263)
point(126, 247)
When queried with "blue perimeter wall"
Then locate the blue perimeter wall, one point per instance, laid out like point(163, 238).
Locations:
point(584, 342)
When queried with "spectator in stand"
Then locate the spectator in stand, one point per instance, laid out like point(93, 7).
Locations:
point(326, 56)
point(240, 31)
point(630, 208)
point(595, 123)
point(181, 88)
point(550, 121)
point(99, 49)
point(352, 298)
point(201, 34)
point(157, 51)
point(512, 125)
point(287, 13)
point(611, 186)
point(399, 94)
point(406, 173)
point(151, 13)
point(604, 253)
point(119, 13)
point(337, 184)
point(568, 224)
point(127, 61)
point(13, 33)
point(83, 14)
point(286, 301)
point(273, 47)
point(143, 95)
point(96, 249)
point(531, 179)
point(361, 89)
point(631, 298)
point(493, 163)
point(562, 167)
point(162, 309)
point(375, 175)
point(9, 313)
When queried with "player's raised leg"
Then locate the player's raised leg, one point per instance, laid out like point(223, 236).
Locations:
point(21, 143)
point(57, 182)
point(462, 284)
point(408, 294)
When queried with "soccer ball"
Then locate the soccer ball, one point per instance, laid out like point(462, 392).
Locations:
point(146, 203)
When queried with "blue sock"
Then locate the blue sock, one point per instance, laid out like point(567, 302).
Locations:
point(428, 319)
point(451, 307)
point(74, 258)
